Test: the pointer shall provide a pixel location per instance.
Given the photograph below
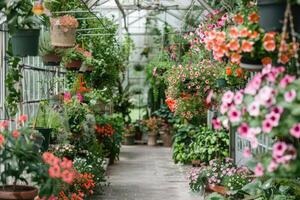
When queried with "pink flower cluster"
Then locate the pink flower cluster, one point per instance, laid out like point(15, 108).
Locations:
point(60, 169)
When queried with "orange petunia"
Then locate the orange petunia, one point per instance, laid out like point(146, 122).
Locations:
point(254, 35)
point(238, 19)
point(233, 32)
point(244, 32)
point(247, 46)
point(228, 71)
point(239, 72)
point(38, 8)
point(266, 61)
point(235, 58)
point(253, 17)
point(234, 45)
point(284, 59)
point(269, 36)
point(269, 45)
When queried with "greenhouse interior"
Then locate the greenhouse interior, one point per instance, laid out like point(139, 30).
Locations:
point(149, 100)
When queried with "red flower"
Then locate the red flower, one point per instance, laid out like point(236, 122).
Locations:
point(171, 104)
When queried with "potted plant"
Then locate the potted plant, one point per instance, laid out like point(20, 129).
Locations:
point(72, 59)
point(63, 31)
point(51, 56)
point(47, 121)
point(152, 126)
point(23, 27)
point(129, 135)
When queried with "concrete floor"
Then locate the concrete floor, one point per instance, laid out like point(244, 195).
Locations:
point(147, 173)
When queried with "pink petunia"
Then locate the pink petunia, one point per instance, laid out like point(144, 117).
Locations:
point(247, 152)
point(286, 80)
point(238, 98)
point(228, 97)
point(267, 126)
point(79, 97)
point(23, 118)
point(279, 149)
point(277, 110)
point(295, 131)
point(253, 109)
point(4, 125)
point(290, 95)
point(234, 115)
point(217, 124)
point(224, 108)
point(15, 134)
point(259, 170)
point(67, 96)
point(273, 118)
point(272, 166)
point(243, 130)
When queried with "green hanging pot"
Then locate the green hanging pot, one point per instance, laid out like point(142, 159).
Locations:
point(46, 132)
point(25, 42)
point(271, 14)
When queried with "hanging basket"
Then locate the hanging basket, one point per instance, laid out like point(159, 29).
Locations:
point(61, 37)
point(271, 14)
point(73, 65)
point(51, 60)
point(25, 42)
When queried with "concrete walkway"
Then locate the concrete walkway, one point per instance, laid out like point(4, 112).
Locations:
point(147, 173)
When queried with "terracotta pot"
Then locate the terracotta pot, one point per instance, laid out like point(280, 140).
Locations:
point(51, 60)
point(152, 139)
point(20, 192)
point(73, 65)
point(196, 163)
point(219, 189)
point(129, 139)
point(60, 38)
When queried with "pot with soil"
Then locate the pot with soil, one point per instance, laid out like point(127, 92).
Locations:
point(73, 65)
point(18, 192)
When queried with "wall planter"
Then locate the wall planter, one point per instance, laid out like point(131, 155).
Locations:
point(73, 65)
point(18, 192)
point(46, 132)
point(62, 36)
point(51, 60)
point(129, 139)
point(271, 14)
point(25, 42)
point(152, 139)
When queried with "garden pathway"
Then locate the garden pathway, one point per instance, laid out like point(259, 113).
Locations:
point(147, 173)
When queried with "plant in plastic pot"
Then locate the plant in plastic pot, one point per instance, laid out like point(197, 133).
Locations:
point(23, 26)
point(74, 58)
point(63, 31)
point(51, 56)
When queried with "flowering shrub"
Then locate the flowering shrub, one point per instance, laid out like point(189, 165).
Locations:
point(267, 106)
point(105, 130)
point(219, 172)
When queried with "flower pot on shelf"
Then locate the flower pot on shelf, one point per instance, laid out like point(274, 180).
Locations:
point(73, 65)
point(51, 60)
point(216, 188)
point(25, 42)
point(152, 139)
point(46, 133)
point(129, 139)
point(61, 36)
point(271, 14)
point(18, 192)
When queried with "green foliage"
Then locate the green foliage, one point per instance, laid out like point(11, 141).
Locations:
point(45, 46)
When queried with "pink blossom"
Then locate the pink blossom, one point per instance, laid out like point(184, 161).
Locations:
point(209, 97)
point(264, 95)
point(224, 108)
point(79, 97)
point(290, 95)
point(4, 125)
point(273, 118)
point(259, 170)
point(277, 110)
point(23, 118)
point(217, 124)
point(295, 130)
point(2, 139)
point(234, 115)
point(228, 97)
point(267, 126)
point(278, 149)
point(243, 129)
point(238, 98)
point(247, 152)
point(286, 80)
point(67, 96)
point(253, 109)
point(272, 166)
